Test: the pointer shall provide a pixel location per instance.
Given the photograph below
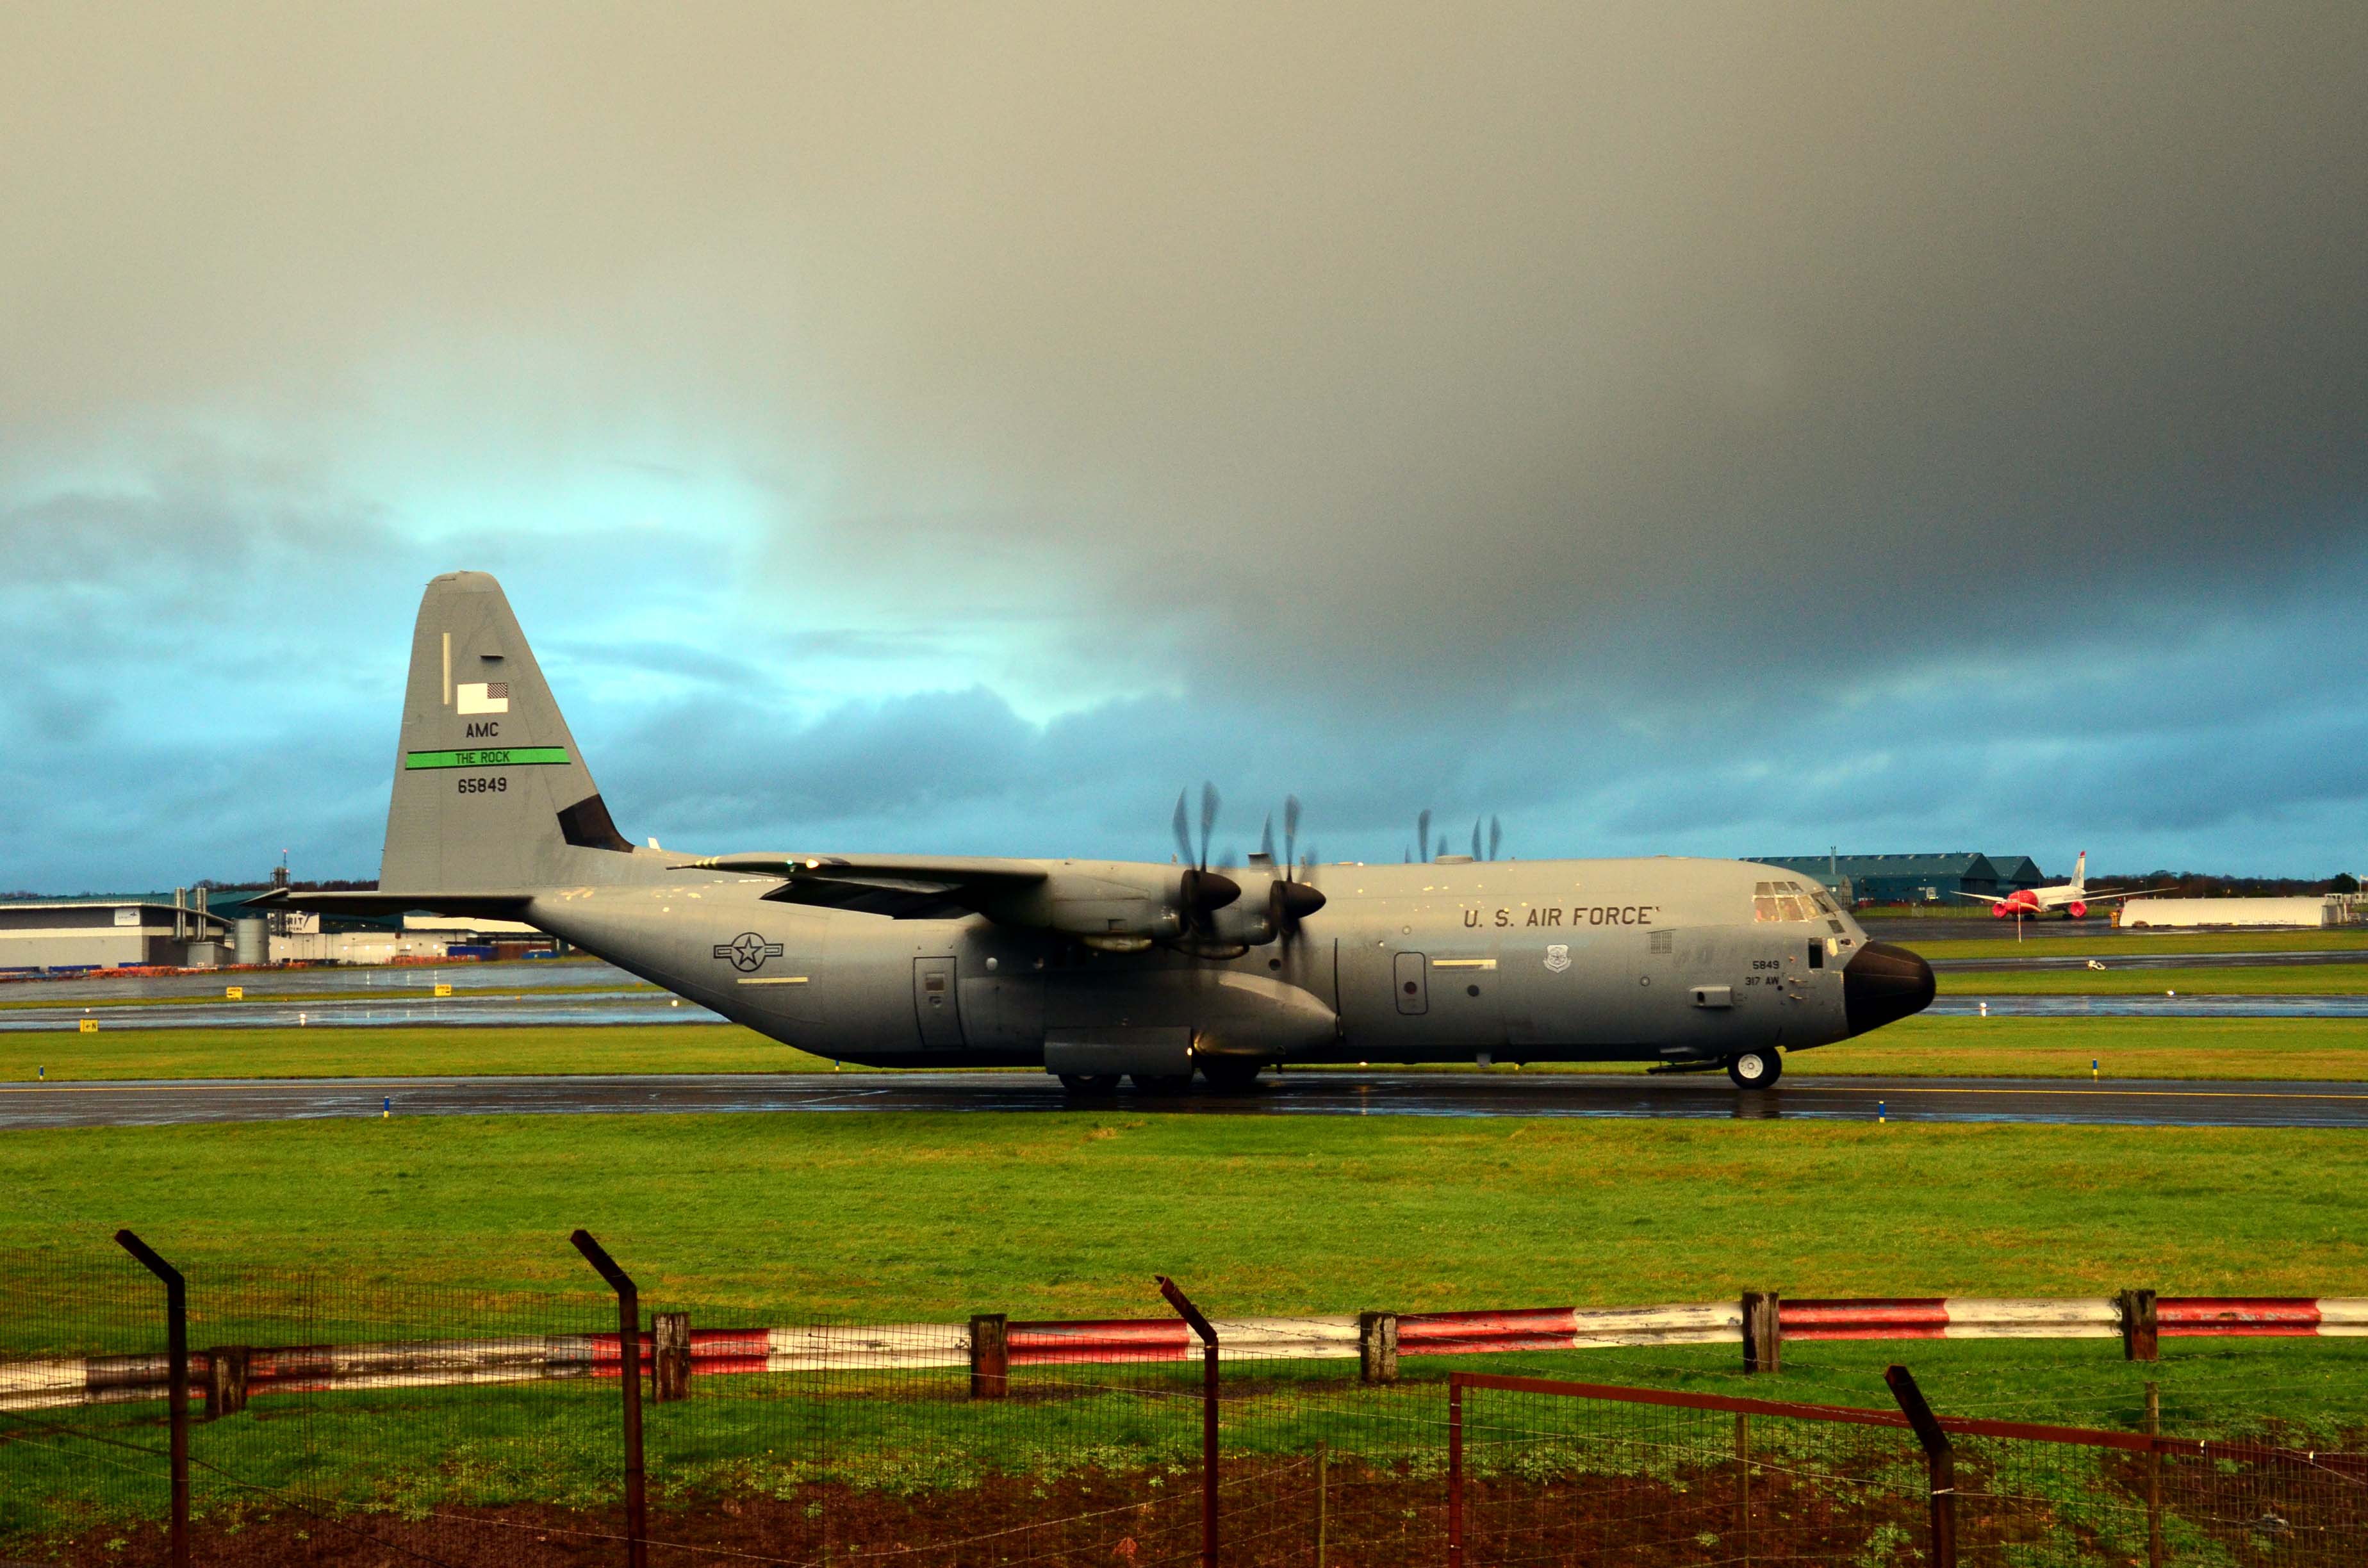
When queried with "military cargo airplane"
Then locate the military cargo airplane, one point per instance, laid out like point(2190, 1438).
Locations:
point(2073, 897)
point(1099, 970)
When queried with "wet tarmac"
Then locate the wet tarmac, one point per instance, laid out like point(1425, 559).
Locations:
point(1706, 1097)
point(644, 1005)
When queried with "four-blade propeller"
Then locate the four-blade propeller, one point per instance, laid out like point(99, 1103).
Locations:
point(1290, 897)
point(1204, 892)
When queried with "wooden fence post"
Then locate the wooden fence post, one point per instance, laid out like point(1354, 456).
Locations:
point(226, 1380)
point(669, 1357)
point(2138, 1326)
point(1377, 1347)
point(990, 1356)
point(1763, 1332)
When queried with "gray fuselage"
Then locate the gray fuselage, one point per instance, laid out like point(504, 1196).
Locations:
point(1662, 958)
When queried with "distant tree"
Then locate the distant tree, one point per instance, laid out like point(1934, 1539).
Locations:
point(2343, 881)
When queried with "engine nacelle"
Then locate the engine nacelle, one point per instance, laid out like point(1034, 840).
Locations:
point(2000, 910)
point(2077, 910)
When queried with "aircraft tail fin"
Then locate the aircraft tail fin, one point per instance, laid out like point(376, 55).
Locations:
point(2080, 871)
point(490, 792)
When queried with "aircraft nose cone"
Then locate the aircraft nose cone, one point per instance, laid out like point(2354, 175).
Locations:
point(1882, 985)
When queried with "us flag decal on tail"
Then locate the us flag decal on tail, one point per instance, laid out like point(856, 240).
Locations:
point(482, 697)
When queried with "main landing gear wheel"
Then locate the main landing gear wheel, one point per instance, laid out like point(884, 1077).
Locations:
point(1089, 1085)
point(1230, 1077)
point(1755, 1069)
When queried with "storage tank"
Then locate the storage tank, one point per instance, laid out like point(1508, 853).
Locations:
point(251, 942)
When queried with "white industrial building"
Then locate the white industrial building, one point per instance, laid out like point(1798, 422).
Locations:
point(2187, 914)
point(79, 933)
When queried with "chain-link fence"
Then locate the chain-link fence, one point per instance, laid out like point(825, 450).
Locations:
point(337, 1418)
point(1549, 1471)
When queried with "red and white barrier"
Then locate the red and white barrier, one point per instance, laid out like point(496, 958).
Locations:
point(1566, 1328)
point(49, 1381)
point(1953, 1317)
point(2324, 1317)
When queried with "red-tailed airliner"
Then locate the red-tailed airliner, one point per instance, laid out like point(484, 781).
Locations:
point(2073, 897)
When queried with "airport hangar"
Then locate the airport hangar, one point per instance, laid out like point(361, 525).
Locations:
point(111, 933)
point(208, 929)
point(1912, 879)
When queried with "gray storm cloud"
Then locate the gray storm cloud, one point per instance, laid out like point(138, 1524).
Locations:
point(1627, 367)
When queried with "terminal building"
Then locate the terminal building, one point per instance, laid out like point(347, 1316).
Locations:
point(1913, 879)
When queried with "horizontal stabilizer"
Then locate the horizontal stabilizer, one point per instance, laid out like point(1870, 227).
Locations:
point(504, 903)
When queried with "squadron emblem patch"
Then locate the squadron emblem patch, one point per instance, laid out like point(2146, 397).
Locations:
point(1558, 957)
point(747, 950)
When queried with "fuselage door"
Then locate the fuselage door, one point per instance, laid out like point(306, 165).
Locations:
point(934, 1005)
point(1413, 984)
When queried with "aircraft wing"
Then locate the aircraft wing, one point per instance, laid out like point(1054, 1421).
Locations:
point(901, 887)
point(2107, 897)
point(1985, 898)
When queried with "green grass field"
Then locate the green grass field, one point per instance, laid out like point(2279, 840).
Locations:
point(937, 1216)
point(399, 1051)
point(371, 1229)
point(2333, 1049)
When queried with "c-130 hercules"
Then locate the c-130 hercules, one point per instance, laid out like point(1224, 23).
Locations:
point(1099, 970)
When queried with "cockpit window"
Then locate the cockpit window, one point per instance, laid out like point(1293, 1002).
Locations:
point(1789, 901)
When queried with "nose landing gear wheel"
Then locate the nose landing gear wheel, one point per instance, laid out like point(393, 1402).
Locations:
point(1755, 1069)
point(1089, 1085)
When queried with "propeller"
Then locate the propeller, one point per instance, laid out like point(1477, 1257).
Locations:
point(1475, 838)
point(1204, 891)
point(1496, 837)
point(1422, 834)
point(1290, 900)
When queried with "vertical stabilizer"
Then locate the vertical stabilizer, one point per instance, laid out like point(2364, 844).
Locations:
point(2080, 872)
point(490, 792)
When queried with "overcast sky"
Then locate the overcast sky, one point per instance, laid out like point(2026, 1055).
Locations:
point(1675, 428)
